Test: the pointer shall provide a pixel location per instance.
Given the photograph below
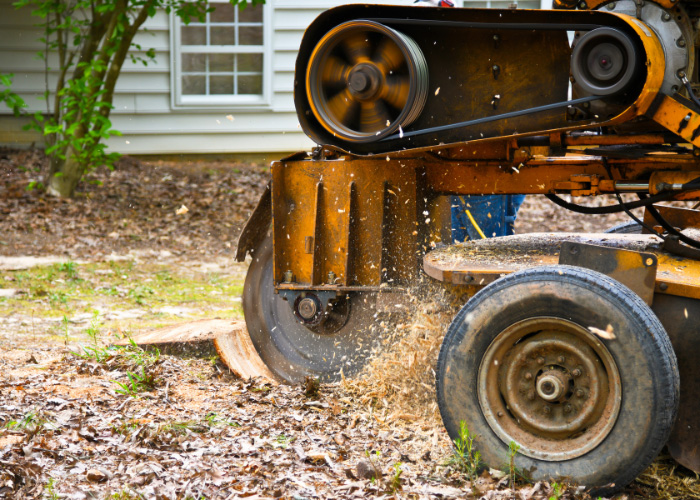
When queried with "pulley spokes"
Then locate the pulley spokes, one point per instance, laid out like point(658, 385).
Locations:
point(365, 80)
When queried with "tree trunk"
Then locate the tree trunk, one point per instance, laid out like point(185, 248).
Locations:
point(64, 175)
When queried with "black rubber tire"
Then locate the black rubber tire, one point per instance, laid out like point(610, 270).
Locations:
point(291, 350)
point(642, 352)
point(627, 227)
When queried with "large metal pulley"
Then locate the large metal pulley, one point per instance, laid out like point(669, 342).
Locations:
point(365, 80)
point(605, 62)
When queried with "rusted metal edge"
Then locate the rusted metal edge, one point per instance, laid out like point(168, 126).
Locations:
point(674, 276)
point(635, 270)
point(257, 227)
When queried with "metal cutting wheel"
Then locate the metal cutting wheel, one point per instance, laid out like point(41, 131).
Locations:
point(292, 349)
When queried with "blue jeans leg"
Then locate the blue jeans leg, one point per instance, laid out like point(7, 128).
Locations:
point(476, 217)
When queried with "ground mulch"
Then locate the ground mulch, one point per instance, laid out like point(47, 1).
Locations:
point(134, 206)
point(75, 426)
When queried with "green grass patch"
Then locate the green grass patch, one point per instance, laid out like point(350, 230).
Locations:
point(160, 294)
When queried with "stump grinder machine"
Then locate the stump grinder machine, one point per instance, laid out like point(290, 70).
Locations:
point(581, 348)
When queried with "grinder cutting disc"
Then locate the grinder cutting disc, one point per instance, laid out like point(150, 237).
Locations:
point(293, 350)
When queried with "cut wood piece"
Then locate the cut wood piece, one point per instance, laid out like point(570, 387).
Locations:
point(238, 353)
point(208, 337)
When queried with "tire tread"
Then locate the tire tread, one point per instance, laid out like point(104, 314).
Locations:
point(660, 349)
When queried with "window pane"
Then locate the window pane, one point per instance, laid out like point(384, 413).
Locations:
point(223, 35)
point(193, 62)
point(229, 59)
point(250, 84)
point(193, 85)
point(250, 35)
point(250, 63)
point(221, 63)
point(221, 85)
point(250, 14)
point(194, 35)
point(223, 14)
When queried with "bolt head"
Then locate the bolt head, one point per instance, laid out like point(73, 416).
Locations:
point(576, 373)
point(580, 393)
point(547, 410)
point(500, 413)
point(567, 409)
point(540, 360)
point(561, 359)
point(528, 376)
point(531, 395)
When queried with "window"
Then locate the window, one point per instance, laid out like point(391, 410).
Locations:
point(223, 59)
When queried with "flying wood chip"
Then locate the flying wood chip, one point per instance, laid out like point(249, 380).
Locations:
point(606, 334)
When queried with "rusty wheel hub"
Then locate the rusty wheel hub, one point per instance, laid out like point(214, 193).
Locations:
point(551, 386)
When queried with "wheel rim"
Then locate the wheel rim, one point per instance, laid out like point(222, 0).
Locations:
point(551, 386)
point(365, 80)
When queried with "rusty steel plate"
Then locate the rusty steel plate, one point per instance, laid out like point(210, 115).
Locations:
point(480, 262)
point(681, 319)
point(636, 270)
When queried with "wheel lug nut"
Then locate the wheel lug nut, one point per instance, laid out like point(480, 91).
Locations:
point(567, 409)
point(547, 410)
point(561, 359)
point(528, 376)
point(500, 413)
point(540, 360)
point(580, 393)
point(576, 373)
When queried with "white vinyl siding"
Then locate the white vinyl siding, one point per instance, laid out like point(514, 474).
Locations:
point(146, 106)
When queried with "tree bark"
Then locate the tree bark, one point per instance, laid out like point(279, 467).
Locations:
point(64, 175)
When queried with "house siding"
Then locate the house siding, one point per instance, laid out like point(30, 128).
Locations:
point(143, 103)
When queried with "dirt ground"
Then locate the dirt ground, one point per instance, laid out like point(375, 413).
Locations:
point(78, 420)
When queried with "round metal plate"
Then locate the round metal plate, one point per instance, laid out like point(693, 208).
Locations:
point(670, 27)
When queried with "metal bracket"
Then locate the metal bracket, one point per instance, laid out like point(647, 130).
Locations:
point(257, 228)
point(635, 270)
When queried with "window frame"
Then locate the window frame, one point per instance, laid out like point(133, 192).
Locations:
point(204, 102)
